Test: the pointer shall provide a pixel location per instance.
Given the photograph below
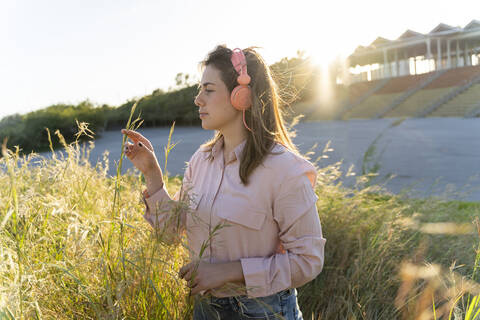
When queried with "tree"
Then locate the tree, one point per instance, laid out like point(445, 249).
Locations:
point(182, 80)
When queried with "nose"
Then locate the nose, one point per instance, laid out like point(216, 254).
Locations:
point(198, 101)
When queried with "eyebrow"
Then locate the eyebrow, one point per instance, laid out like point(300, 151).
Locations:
point(205, 84)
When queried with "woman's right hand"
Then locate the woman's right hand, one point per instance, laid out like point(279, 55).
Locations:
point(141, 153)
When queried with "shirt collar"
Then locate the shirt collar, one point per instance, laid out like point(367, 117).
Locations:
point(234, 155)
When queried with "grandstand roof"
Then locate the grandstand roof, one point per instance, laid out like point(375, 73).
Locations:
point(472, 25)
point(444, 28)
point(379, 41)
point(410, 34)
point(413, 42)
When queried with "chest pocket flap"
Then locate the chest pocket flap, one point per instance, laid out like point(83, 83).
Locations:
point(247, 217)
point(195, 201)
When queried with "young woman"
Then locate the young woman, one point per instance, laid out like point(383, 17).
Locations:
point(252, 202)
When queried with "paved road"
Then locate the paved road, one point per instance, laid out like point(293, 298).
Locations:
point(432, 155)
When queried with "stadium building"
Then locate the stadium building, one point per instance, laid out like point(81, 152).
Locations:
point(416, 75)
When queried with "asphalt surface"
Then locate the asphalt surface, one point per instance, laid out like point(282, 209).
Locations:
point(428, 156)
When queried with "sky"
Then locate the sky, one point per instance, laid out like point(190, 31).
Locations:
point(111, 51)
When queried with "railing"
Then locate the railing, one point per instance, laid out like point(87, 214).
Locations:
point(475, 112)
point(408, 94)
point(347, 107)
point(447, 97)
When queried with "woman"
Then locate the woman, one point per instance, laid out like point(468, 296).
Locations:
point(252, 206)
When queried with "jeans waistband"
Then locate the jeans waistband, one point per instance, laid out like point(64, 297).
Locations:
point(283, 292)
point(287, 291)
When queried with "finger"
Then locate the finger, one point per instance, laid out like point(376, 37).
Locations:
point(128, 147)
point(144, 147)
point(196, 289)
point(192, 283)
point(132, 135)
point(183, 270)
point(133, 150)
point(188, 275)
point(192, 274)
point(138, 148)
point(136, 137)
point(130, 154)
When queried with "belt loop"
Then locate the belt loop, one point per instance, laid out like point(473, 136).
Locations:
point(285, 292)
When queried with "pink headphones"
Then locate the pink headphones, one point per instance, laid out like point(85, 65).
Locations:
point(241, 97)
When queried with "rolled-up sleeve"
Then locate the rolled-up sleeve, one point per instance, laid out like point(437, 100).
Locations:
point(167, 215)
point(296, 213)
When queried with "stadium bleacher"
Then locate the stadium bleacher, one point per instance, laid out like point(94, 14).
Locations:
point(452, 79)
point(462, 104)
point(434, 74)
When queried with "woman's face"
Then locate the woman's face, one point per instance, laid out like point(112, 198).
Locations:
point(213, 100)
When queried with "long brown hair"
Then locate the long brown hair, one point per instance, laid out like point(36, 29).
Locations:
point(264, 117)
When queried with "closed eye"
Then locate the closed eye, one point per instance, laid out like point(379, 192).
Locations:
point(199, 89)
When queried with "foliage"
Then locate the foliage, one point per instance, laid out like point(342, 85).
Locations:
point(296, 78)
point(159, 108)
point(67, 254)
point(28, 131)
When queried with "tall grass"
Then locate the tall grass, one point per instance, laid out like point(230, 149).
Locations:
point(73, 245)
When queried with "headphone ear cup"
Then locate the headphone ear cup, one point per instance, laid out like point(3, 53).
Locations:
point(241, 97)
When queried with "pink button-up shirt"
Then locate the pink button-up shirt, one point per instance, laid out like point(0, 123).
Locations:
point(278, 205)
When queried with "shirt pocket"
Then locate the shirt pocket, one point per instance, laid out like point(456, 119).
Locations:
point(195, 201)
point(194, 219)
point(192, 196)
point(244, 216)
point(194, 208)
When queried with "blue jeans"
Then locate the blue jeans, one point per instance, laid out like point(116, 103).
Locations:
point(281, 305)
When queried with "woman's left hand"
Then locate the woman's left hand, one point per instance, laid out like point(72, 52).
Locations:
point(206, 276)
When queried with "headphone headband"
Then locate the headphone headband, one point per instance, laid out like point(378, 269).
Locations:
point(239, 61)
point(241, 96)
